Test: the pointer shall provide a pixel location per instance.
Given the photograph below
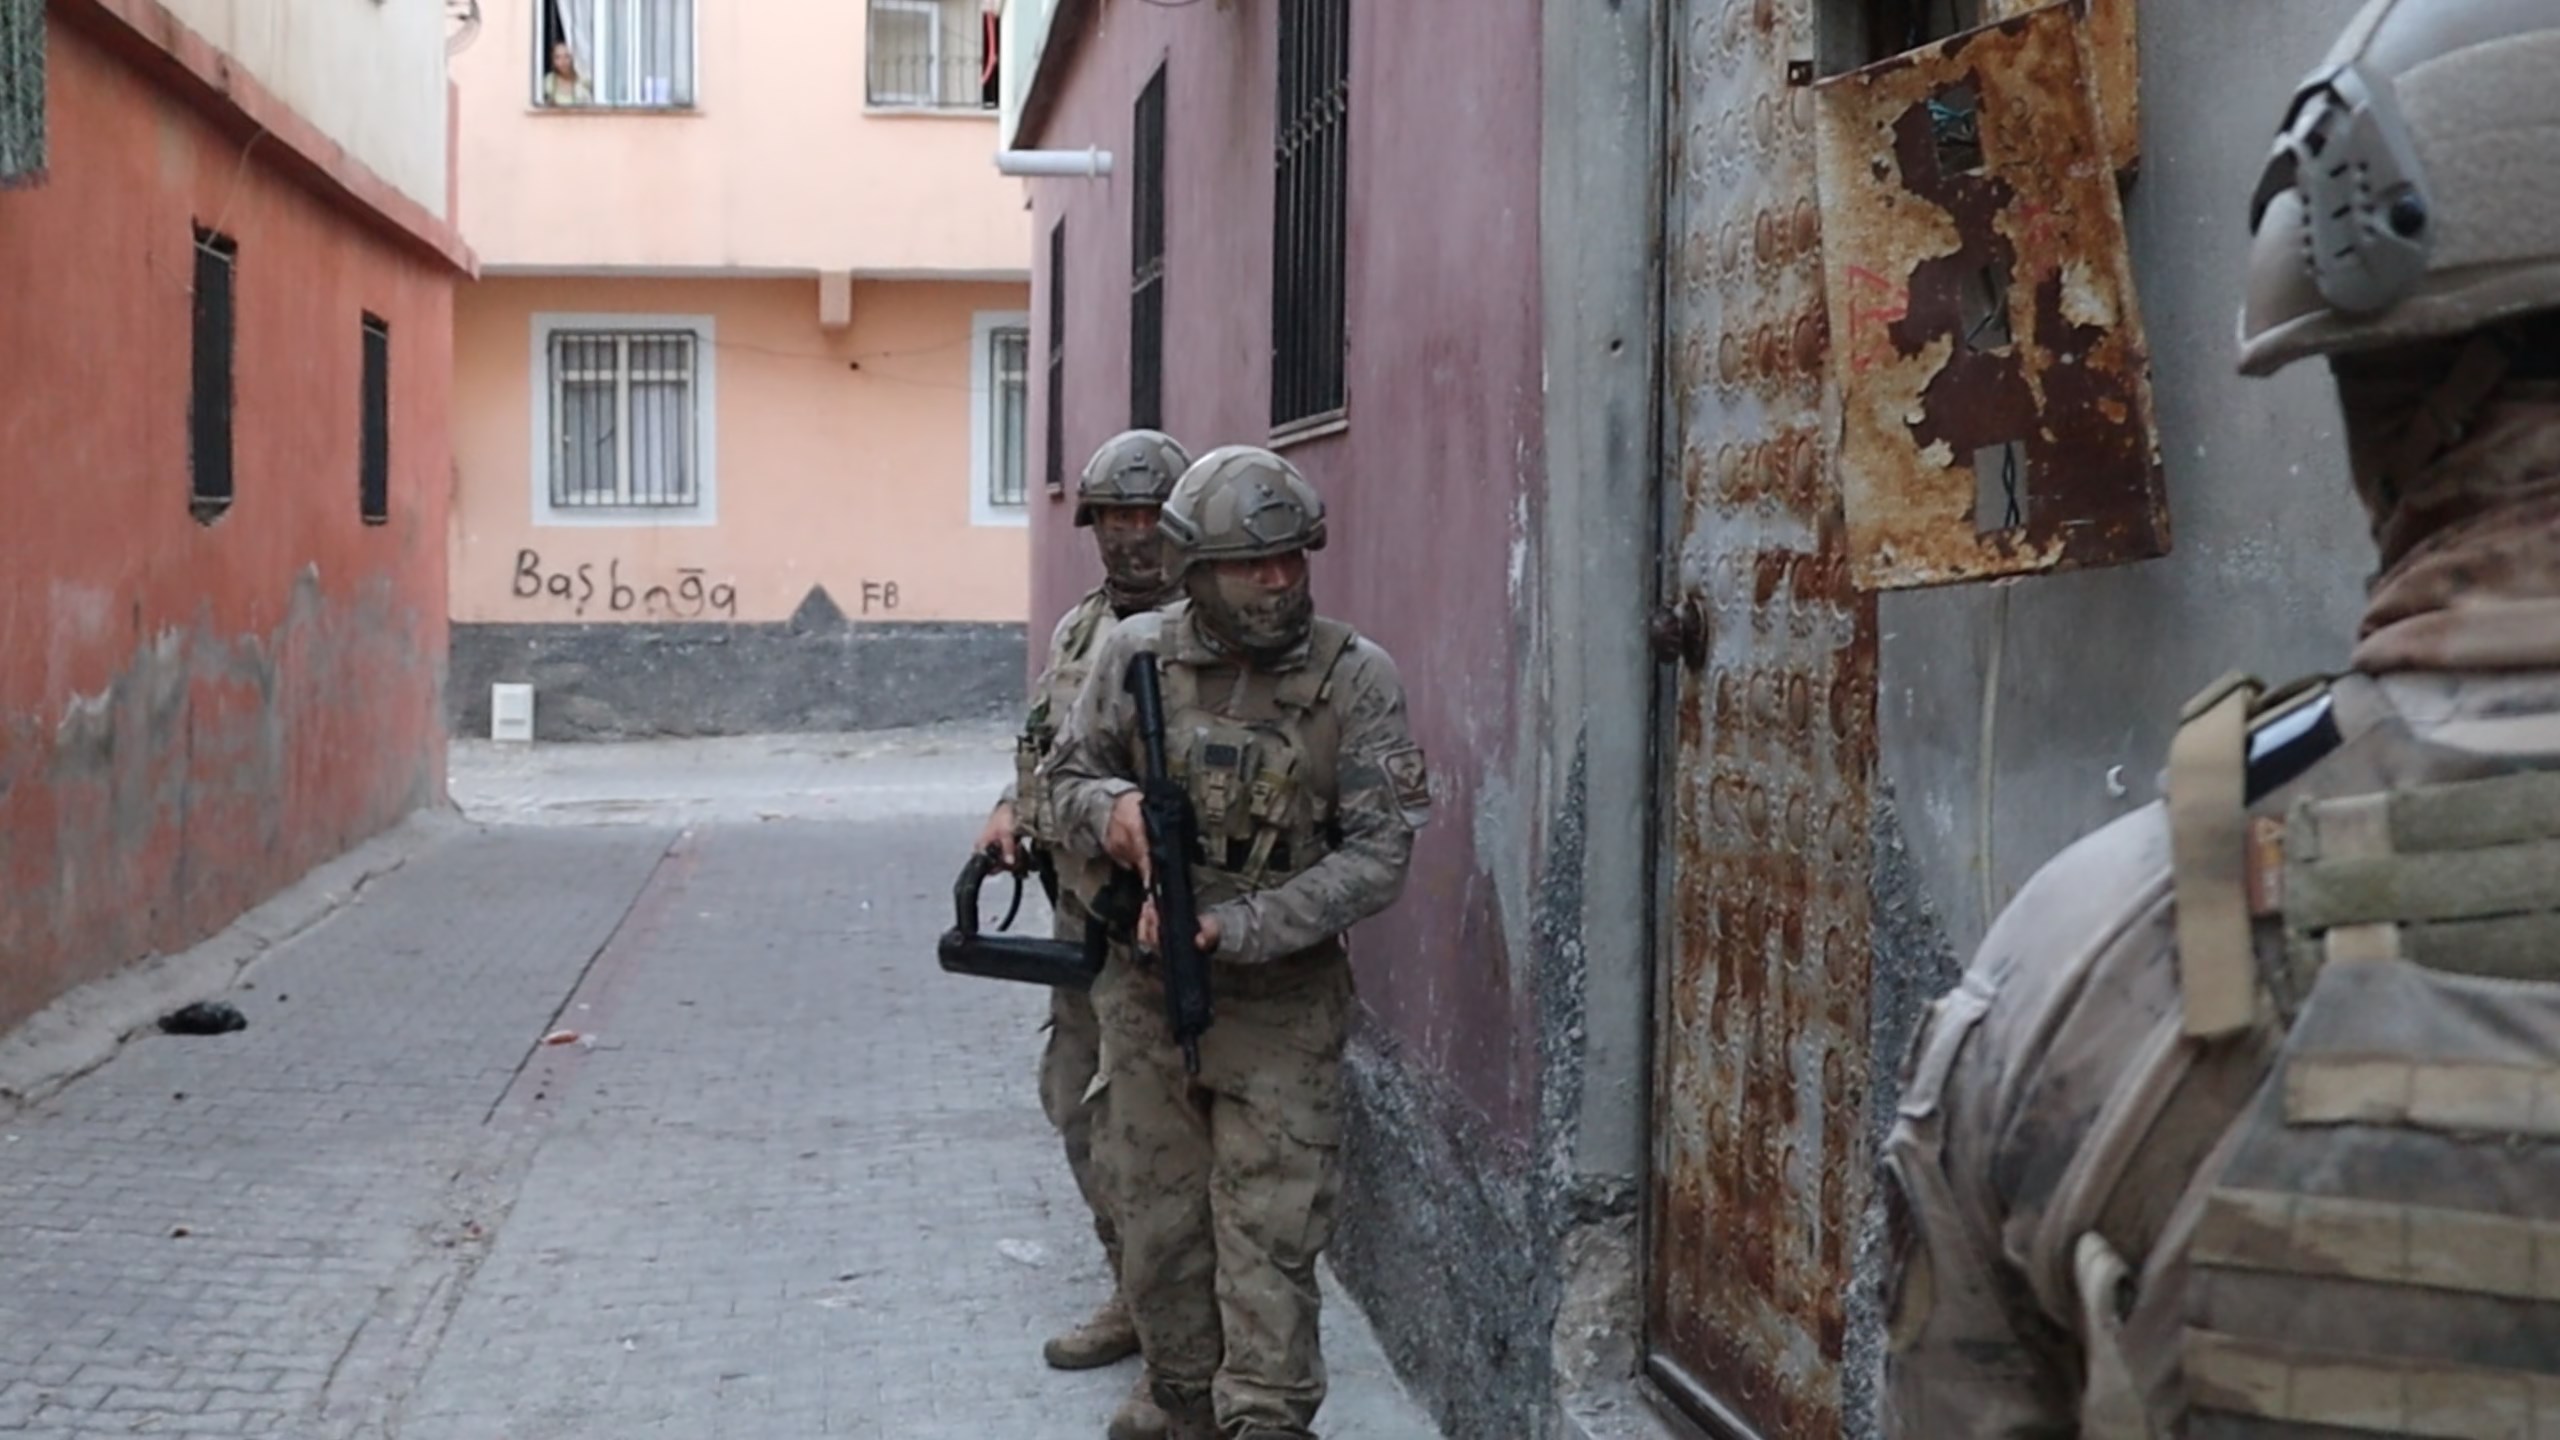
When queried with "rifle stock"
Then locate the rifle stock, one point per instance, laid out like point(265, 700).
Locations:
point(965, 951)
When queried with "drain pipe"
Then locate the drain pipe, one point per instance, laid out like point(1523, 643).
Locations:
point(1088, 163)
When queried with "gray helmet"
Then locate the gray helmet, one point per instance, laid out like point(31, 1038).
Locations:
point(1134, 467)
point(1241, 502)
point(2414, 190)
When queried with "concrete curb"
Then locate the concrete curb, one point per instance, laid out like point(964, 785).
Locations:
point(84, 1029)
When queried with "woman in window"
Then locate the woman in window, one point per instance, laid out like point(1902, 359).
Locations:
point(562, 85)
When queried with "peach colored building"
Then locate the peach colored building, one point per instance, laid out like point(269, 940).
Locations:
point(742, 391)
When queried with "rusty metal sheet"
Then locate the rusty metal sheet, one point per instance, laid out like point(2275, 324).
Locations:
point(1995, 396)
point(1760, 1165)
point(2115, 69)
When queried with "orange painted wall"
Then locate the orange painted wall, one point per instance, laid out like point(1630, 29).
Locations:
point(192, 716)
point(825, 473)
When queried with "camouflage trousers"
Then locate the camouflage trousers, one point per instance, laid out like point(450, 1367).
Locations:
point(1224, 1183)
point(1068, 1063)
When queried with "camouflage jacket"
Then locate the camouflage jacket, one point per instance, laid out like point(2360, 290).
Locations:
point(1379, 788)
point(2052, 1100)
point(1079, 635)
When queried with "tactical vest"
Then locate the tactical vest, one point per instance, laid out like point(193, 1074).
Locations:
point(1090, 625)
point(1258, 753)
point(2364, 1085)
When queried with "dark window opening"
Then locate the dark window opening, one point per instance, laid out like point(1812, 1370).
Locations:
point(211, 380)
point(373, 465)
point(1146, 280)
point(1855, 33)
point(1056, 439)
point(991, 71)
point(1313, 164)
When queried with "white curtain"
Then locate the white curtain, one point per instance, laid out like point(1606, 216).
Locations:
point(666, 52)
point(631, 52)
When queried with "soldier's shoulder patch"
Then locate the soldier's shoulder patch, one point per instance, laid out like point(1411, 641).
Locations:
point(1410, 774)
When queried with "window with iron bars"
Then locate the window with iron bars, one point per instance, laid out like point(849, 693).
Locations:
point(373, 422)
point(1057, 396)
point(1313, 165)
point(22, 144)
point(932, 55)
point(211, 381)
point(1008, 415)
point(624, 419)
point(1146, 280)
point(614, 54)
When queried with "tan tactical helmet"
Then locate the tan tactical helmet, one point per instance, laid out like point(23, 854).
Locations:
point(1134, 467)
point(2414, 189)
point(1241, 502)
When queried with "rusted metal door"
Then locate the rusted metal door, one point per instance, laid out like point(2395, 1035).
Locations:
point(1761, 1169)
point(1820, 237)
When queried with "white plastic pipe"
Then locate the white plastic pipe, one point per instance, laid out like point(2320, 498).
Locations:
point(1086, 163)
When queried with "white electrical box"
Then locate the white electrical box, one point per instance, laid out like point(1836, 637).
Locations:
point(511, 712)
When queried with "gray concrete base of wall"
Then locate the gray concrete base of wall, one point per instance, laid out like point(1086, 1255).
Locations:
point(617, 682)
point(1440, 1247)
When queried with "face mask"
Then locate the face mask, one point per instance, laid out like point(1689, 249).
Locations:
point(1265, 624)
point(1132, 566)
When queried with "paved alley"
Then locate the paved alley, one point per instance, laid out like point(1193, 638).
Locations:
point(786, 1180)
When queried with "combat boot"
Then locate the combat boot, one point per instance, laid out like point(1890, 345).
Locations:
point(1108, 1338)
point(1191, 1422)
point(1138, 1417)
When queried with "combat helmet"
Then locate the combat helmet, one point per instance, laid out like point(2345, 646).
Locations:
point(1241, 502)
point(1134, 467)
point(2414, 189)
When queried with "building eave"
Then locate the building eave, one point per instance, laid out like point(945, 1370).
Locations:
point(1064, 37)
point(145, 35)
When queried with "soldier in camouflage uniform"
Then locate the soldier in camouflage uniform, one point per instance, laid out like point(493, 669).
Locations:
point(2246, 1120)
point(1118, 497)
point(1289, 732)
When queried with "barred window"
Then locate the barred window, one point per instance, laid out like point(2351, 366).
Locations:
point(932, 54)
point(22, 146)
point(373, 463)
point(1146, 280)
point(1056, 446)
point(622, 54)
point(1313, 164)
point(212, 382)
point(625, 421)
point(1009, 414)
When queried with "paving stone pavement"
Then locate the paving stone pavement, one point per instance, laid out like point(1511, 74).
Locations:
point(790, 1180)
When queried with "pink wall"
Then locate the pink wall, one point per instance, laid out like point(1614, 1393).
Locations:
point(855, 478)
point(780, 164)
point(1428, 485)
point(192, 716)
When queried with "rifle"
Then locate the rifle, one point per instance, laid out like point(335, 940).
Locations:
point(964, 951)
point(1172, 835)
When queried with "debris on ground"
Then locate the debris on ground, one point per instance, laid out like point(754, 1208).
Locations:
point(205, 1017)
